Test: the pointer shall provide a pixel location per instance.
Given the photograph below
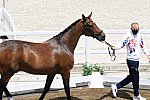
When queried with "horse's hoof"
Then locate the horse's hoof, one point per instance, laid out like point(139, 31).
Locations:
point(10, 98)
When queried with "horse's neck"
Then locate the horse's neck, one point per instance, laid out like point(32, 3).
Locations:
point(71, 37)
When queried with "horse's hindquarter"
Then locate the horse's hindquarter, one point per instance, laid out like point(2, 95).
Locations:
point(26, 56)
point(9, 56)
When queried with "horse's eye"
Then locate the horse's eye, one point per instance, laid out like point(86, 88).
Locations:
point(101, 31)
point(90, 25)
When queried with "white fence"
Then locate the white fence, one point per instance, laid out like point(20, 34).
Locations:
point(88, 49)
point(7, 23)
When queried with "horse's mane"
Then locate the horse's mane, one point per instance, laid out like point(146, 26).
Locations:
point(66, 30)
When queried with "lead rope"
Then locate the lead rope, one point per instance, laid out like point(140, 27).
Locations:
point(110, 51)
point(112, 54)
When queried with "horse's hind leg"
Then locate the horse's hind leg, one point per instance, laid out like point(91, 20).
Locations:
point(1, 89)
point(47, 86)
point(3, 83)
point(9, 96)
point(66, 78)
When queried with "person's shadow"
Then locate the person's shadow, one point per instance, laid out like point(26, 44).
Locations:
point(121, 94)
point(64, 98)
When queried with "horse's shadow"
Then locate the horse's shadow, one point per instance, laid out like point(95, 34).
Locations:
point(64, 98)
point(124, 94)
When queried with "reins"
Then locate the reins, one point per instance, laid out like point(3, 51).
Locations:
point(111, 53)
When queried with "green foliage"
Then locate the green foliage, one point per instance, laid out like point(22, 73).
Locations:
point(87, 70)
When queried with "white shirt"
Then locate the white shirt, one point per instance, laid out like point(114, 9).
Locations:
point(134, 45)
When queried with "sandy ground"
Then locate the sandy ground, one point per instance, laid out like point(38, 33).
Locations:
point(85, 94)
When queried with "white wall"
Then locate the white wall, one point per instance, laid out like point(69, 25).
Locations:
point(56, 15)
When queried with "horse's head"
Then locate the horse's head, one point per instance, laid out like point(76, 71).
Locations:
point(91, 29)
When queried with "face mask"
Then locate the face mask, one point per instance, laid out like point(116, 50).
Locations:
point(135, 31)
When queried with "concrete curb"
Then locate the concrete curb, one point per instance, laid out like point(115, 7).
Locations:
point(74, 83)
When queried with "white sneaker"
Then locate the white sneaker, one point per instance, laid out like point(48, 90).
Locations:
point(138, 98)
point(10, 98)
point(114, 90)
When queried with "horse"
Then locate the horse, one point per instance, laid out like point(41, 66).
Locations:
point(51, 57)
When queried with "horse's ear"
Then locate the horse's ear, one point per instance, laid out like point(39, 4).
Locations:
point(83, 17)
point(90, 15)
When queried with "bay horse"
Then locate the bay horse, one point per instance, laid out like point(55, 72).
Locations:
point(54, 56)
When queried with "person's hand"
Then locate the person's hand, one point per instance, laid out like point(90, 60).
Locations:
point(148, 58)
point(113, 47)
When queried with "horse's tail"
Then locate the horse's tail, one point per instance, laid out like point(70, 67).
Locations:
point(4, 37)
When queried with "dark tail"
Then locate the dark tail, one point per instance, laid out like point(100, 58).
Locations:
point(3, 37)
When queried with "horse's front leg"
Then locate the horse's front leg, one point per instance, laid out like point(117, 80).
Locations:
point(66, 79)
point(47, 86)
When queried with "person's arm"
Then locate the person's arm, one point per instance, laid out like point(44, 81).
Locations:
point(121, 44)
point(143, 47)
point(144, 50)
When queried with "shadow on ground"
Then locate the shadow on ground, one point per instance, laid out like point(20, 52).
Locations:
point(64, 98)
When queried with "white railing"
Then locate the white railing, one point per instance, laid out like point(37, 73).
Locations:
point(88, 49)
point(7, 23)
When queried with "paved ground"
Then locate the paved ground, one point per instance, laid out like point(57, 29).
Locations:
point(85, 94)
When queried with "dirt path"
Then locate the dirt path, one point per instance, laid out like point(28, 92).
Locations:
point(85, 94)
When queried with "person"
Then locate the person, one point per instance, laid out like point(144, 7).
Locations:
point(134, 44)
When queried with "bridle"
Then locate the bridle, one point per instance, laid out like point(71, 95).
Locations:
point(111, 52)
